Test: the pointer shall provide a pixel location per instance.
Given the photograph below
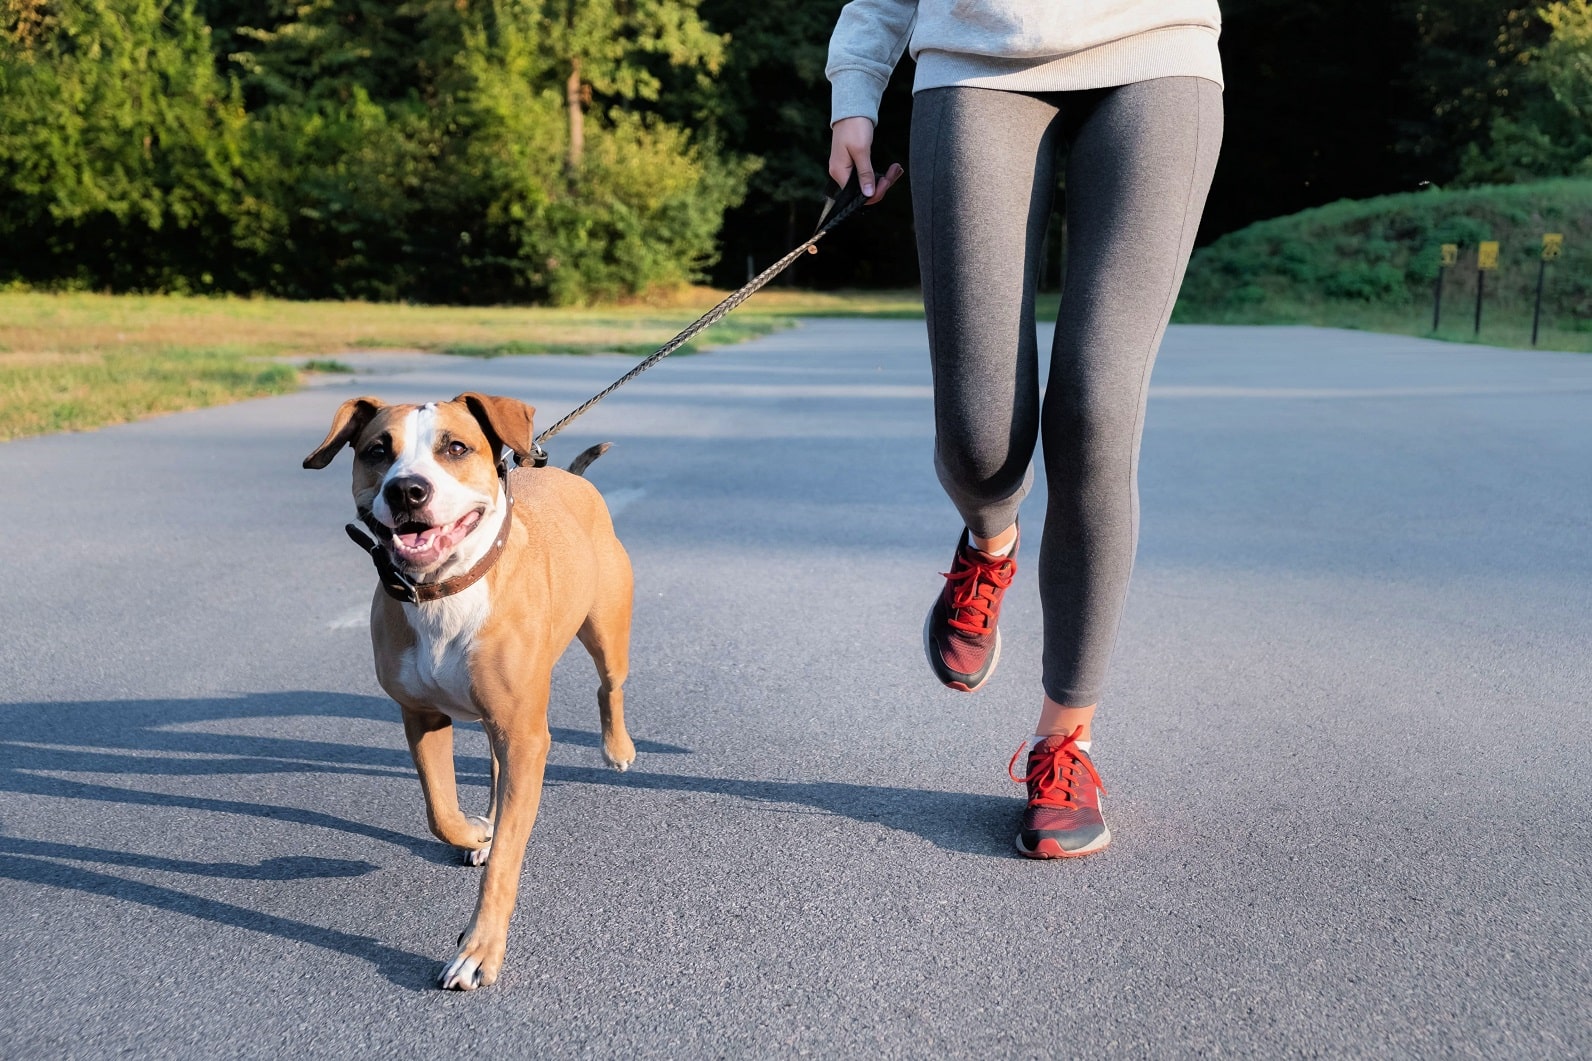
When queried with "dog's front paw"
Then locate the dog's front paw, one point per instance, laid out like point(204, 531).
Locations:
point(477, 856)
point(476, 965)
point(619, 751)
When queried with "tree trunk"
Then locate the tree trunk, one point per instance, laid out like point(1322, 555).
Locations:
point(575, 98)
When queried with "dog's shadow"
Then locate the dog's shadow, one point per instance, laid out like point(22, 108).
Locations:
point(50, 746)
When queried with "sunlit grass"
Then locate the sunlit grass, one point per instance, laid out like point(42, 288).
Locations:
point(42, 392)
point(79, 361)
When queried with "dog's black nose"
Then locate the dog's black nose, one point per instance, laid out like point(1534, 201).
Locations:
point(407, 492)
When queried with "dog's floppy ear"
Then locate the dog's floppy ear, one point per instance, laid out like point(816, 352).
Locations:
point(351, 418)
point(506, 421)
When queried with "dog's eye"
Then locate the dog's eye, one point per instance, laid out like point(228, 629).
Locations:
point(457, 449)
point(376, 451)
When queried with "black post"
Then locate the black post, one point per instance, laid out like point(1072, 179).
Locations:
point(1536, 314)
point(1481, 285)
point(1437, 299)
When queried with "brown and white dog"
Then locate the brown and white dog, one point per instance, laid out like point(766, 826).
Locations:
point(487, 575)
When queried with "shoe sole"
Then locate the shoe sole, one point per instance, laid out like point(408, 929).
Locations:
point(1050, 849)
point(961, 687)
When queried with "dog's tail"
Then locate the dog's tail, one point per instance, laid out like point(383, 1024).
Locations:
point(582, 462)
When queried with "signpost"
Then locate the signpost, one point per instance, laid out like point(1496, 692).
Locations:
point(1450, 256)
point(1486, 261)
point(1552, 243)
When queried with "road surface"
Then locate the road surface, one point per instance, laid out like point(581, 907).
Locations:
point(1347, 739)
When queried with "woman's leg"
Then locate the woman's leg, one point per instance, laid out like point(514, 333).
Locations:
point(983, 174)
point(1140, 164)
point(983, 166)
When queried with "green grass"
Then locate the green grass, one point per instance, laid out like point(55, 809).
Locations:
point(73, 362)
point(1371, 264)
point(1508, 327)
point(73, 392)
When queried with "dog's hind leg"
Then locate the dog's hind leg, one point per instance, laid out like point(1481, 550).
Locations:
point(606, 635)
point(430, 735)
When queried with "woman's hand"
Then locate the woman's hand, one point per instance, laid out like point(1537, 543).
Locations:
point(851, 148)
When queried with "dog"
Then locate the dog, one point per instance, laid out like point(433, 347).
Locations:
point(487, 574)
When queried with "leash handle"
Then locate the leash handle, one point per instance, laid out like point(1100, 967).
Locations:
point(837, 209)
point(837, 197)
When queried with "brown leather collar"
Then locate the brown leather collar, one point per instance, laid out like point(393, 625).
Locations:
point(401, 587)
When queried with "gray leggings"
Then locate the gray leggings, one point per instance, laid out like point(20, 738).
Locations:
point(984, 165)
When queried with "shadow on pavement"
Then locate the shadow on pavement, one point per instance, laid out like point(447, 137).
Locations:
point(401, 967)
point(286, 867)
point(956, 821)
point(157, 738)
point(129, 737)
point(145, 737)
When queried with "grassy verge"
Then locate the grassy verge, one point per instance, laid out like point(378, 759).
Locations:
point(1371, 263)
point(1508, 326)
point(80, 361)
point(65, 390)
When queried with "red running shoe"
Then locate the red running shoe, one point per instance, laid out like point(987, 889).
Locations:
point(960, 636)
point(1062, 819)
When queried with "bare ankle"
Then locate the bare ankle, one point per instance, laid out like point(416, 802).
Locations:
point(998, 544)
point(1057, 718)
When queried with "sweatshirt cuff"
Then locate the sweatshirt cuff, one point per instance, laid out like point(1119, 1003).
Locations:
point(856, 94)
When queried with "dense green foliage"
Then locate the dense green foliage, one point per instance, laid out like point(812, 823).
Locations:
point(577, 150)
point(119, 144)
point(1548, 130)
point(431, 149)
point(1386, 251)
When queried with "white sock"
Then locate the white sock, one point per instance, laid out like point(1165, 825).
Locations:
point(1082, 745)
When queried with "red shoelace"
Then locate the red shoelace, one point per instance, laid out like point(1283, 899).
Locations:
point(1058, 773)
point(974, 586)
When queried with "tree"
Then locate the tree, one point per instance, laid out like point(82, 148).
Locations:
point(605, 47)
point(1467, 70)
point(639, 205)
point(1548, 132)
point(1564, 64)
point(496, 149)
point(120, 147)
point(772, 100)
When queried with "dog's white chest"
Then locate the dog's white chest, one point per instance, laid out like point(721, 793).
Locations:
point(436, 670)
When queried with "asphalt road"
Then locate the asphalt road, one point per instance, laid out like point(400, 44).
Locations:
point(1347, 740)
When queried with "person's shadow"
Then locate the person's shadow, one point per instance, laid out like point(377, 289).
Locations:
point(160, 738)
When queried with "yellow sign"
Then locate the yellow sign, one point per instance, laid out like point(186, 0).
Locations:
point(1487, 254)
point(1552, 244)
point(1450, 253)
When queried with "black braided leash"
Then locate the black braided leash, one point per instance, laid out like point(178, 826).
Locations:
point(843, 203)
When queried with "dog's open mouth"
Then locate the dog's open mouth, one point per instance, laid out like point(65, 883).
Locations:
point(421, 545)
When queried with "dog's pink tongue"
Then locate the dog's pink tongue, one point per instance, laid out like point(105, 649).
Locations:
point(430, 545)
point(450, 536)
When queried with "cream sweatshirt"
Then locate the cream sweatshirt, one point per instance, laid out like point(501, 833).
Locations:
point(1018, 45)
